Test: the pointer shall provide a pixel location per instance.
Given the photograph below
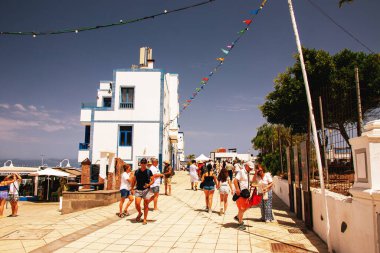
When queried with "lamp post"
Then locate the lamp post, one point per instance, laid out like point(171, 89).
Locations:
point(67, 165)
point(10, 165)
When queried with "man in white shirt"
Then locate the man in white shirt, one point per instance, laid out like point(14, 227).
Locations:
point(155, 187)
point(241, 183)
point(125, 190)
point(13, 195)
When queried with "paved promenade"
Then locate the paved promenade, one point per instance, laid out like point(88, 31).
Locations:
point(181, 225)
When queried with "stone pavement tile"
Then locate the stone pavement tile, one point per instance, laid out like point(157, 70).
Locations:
point(163, 244)
point(96, 246)
point(208, 240)
point(257, 249)
point(87, 239)
point(168, 238)
point(136, 249)
point(146, 243)
point(204, 246)
point(180, 250)
point(116, 247)
point(77, 245)
point(203, 251)
point(158, 250)
point(244, 247)
point(87, 251)
point(186, 245)
point(226, 251)
point(124, 242)
point(224, 246)
point(66, 250)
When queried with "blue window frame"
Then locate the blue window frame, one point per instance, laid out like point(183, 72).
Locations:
point(107, 102)
point(125, 137)
point(127, 97)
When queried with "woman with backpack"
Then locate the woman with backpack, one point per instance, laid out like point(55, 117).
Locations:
point(209, 181)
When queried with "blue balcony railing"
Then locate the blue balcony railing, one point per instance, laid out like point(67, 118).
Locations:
point(88, 105)
point(84, 146)
point(126, 105)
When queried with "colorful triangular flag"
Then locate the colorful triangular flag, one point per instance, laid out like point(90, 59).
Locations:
point(220, 59)
point(224, 51)
point(254, 12)
point(248, 21)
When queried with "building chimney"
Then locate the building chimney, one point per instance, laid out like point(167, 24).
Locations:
point(146, 60)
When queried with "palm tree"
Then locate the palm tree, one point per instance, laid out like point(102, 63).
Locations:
point(341, 2)
point(190, 157)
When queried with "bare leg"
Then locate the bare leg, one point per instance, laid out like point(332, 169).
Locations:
point(121, 205)
point(2, 204)
point(206, 198)
point(240, 215)
point(130, 198)
point(170, 190)
point(146, 208)
point(14, 207)
point(166, 188)
point(192, 185)
point(225, 198)
point(155, 200)
point(210, 197)
point(137, 205)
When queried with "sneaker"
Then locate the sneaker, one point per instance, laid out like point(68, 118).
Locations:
point(241, 227)
point(236, 218)
point(267, 221)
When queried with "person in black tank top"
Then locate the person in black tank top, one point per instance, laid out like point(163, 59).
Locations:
point(142, 179)
point(209, 181)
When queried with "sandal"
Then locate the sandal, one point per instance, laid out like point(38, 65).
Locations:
point(126, 213)
point(138, 218)
point(144, 223)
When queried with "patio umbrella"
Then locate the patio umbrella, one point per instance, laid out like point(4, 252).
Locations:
point(50, 172)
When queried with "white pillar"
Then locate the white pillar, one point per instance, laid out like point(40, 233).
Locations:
point(366, 188)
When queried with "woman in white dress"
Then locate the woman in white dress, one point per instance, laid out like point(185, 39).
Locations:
point(265, 184)
point(193, 171)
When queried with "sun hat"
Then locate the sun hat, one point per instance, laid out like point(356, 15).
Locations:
point(250, 165)
point(149, 162)
point(167, 162)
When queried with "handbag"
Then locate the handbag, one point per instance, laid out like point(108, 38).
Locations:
point(255, 198)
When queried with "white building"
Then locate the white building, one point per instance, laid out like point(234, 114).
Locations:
point(131, 118)
point(181, 147)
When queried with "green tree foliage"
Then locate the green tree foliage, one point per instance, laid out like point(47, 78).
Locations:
point(332, 78)
point(190, 157)
point(341, 2)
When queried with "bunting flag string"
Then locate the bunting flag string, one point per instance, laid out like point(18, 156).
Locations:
point(220, 60)
point(88, 28)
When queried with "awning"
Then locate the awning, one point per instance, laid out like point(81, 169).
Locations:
point(6, 170)
point(51, 172)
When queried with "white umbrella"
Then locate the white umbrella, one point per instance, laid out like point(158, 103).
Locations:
point(51, 172)
point(202, 157)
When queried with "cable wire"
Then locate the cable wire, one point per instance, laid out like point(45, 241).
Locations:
point(338, 25)
point(121, 22)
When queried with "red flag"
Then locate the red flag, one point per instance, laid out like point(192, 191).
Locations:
point(189, 101)
point(205, 79)
point(248, 21)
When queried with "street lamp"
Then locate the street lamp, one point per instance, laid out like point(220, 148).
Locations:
point(10, 165)
point(67, 165)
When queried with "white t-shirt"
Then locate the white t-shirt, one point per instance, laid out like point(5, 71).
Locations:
point(237, 167)
point(125, 184)
point(243, 178)
point(263, 182)
point(154, 171)
point(14, 187)
point(193, 169)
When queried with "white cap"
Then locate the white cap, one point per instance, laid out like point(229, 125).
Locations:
point(250, 164)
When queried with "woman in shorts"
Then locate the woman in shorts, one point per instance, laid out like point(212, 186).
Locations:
point(225, 187)
point(209, 181)
point(4, 188)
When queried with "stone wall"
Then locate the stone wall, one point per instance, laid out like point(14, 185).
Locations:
point(86, 173)
point(77, 201)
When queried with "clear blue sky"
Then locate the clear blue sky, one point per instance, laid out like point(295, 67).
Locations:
point(43, 80)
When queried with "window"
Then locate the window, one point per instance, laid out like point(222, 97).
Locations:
point(125, 136)
point(107, 101)
point(127, 96)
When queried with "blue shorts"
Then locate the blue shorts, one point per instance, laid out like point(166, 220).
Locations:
point(125, 193)
point(209, 188)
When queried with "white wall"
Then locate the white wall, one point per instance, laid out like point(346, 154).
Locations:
point(281, 189)
point(85, 116)
point(82, 155)
point(358, 236)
